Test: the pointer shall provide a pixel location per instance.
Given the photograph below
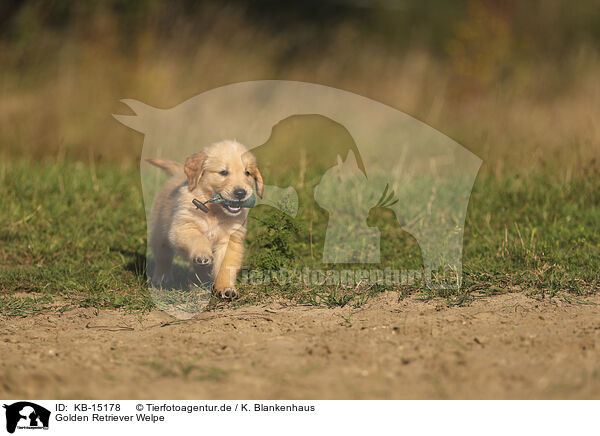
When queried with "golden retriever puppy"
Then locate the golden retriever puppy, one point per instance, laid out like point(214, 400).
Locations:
point(213, 238)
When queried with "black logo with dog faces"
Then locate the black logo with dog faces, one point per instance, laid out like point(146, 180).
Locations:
point(26, 415)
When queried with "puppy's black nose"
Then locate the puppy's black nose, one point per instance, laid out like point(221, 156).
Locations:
point(239, 193)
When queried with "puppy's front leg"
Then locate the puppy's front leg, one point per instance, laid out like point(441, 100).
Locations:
point(228, 261)
point(192, 243)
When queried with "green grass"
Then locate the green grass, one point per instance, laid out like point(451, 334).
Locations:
point(75, 235)
point(70, 232)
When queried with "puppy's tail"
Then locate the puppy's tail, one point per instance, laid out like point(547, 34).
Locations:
point(169, 166)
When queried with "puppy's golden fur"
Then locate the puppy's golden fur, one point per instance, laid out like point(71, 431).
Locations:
point(214, 238)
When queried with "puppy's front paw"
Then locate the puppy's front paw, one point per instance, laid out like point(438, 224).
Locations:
point(228, 293)
point(202, 260)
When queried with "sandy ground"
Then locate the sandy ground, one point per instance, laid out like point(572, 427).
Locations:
point(508, 346)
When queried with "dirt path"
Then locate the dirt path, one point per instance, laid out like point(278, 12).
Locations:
point(509, 346)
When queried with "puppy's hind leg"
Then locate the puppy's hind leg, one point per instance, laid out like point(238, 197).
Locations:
point(163, 256)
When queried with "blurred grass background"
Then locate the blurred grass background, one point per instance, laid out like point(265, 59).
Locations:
point(514, 82)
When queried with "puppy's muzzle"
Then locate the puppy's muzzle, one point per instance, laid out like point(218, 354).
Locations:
point(239, 194)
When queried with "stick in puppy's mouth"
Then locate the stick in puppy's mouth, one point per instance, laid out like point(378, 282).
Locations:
point(232, 206)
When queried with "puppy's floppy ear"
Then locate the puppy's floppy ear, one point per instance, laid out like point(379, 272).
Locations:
point(255, 172)
point(194, 167)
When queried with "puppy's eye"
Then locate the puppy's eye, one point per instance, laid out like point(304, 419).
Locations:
point(247, 173)
point(224, 173)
